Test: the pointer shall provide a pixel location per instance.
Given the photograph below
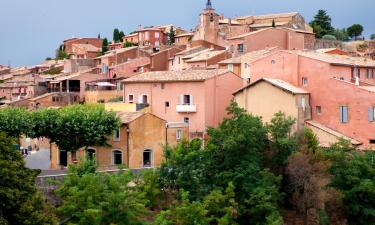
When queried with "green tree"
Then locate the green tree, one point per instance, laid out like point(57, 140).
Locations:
point(20, 201)
point(372, 37)
point(105, 46)
point(149, 183)
point(329, 37)
point(171, 36)
point(121, 35)
point(353, 174)
point(128, 44)
point(116, 35)
point(97, 198)
point(355, 31)
point(341, 34)
point(76, 126)
point(273, 23)
point(16, 121)
point(322, 24)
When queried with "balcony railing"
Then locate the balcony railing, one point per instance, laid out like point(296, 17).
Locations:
point(186, 108)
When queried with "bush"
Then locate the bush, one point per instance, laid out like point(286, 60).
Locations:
point(329, 37)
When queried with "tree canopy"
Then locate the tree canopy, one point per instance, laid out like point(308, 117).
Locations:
point(322, 24)
point(20, 201)
point(105, 46)
point(355, 31)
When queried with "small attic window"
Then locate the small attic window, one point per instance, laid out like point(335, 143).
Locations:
point(273, 61)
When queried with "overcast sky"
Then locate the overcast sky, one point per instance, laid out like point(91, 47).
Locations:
point(31, 30)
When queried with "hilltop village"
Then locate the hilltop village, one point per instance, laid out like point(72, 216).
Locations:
point(167, 84)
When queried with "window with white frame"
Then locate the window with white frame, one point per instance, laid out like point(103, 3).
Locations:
point(318, 109)
point(370, 74)
point(142, 99)
point(179, 134)
point(130, 98)
point(157, 35)
point(240, 48)
point(116, 135)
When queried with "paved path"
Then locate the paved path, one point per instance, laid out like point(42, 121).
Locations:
point(38, 160)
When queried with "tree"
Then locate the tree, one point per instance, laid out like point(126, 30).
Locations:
point(322, 24)
point(121, 35)
point(353, 174)
point(341, 34)
point(20, 201)
point(99, 36)
point(329, 37)
point(98, 198)
point(171, 36)
point(116, 35)
point(355, 30)
point(76, 126)
point(273, 23)
point(105, 46)
point(372, 37)
point(16, 121)
point(128, 44)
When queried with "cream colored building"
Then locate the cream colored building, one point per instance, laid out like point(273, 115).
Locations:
point(267, 96)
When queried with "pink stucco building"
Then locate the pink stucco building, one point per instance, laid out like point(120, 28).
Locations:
point(342, 88)
point(197, 97)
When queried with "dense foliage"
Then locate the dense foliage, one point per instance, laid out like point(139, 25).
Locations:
point(105, 47)
point(322, 24)
point(71, 127)
point(20, 201)
point(98, 198)
point(355, 31)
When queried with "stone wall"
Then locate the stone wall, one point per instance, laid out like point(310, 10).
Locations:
point(322, 43)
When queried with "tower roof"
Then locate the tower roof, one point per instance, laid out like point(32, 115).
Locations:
point(209, 4)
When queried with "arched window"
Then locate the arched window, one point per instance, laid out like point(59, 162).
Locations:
point(91, 153)
point(147, 158)
point(117, 157)
point(211, 17)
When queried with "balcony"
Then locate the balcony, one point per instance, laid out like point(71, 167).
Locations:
point(186, 108)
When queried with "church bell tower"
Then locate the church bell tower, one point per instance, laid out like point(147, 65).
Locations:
point(209, 24)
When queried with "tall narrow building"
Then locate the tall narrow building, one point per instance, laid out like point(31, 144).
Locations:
point(209, 24)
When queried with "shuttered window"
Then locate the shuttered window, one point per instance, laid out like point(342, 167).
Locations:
point(186, 100)
point(371, 113)
point(344, 111)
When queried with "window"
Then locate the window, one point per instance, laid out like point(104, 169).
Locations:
point(91, 153)
point(357, 72)
point(303, 103)
point(240, 48)
point(371, 113)
point(211, 17)
point(186, 120)
point(344, 114)
point(179, 134)
point(162, 85)
point(273, 61)
point(166, 104)
point(142, 99)
point(147, 158)
point(372, 141)
point(117, 157)
point(246, 65)
point(116, 135)
point(370, 74)
point(230, 67)
point(157, 35)
point(305, 81)
point(157, 43)
point(131, 98)
point(318, 110)
point(179, 60)
point(146, 35)
point(186, 100)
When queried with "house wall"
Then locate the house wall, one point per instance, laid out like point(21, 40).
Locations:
point(97, 42)
point(265, 100)
point(148, 38)
point(160, 61)
point(95, 96)
point(218, 95)
point(131, 67)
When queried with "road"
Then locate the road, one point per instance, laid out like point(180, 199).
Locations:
point(38, 160)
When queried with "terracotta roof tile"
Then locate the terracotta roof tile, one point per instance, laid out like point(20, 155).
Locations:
point(174, 76)
point(338, 59)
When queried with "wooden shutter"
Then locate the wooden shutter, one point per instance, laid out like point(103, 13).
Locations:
point(371, 114)
point(140, 99)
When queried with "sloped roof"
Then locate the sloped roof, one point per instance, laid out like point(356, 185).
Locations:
point(206, 56)
point(257, 25)
point(270, 16)
point(189, 51)
point(249, 33)
point(196, 53)
point(338, 59)
point(174, 76)
point(184, 35)
point(279, 84)
point(332, 132)
point(127, 117)
point(250, 57)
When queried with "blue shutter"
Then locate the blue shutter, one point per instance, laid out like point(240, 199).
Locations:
point(345, 114)
point(371, 114)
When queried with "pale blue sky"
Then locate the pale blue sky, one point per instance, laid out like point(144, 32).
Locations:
point(31, 30)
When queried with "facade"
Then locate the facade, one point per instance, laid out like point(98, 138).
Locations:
point(282, 38)
point(183, 39)
point(266, 97)
point(197, 97)
point(68, 44)
point(84, 51)
point(151, 37)
point(206, 60)
point(131, 146)
point(341, 88)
